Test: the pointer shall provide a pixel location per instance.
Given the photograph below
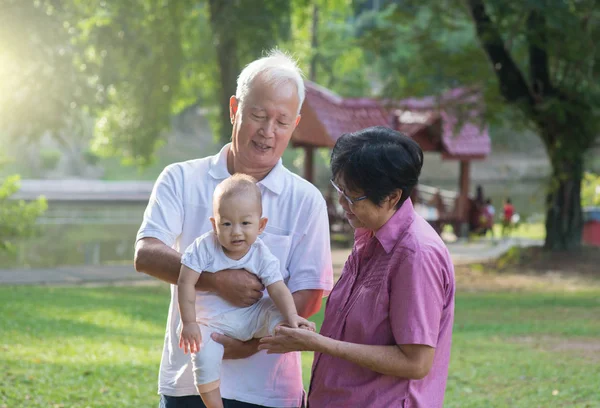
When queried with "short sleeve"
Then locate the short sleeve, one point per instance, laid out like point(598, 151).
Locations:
point(417, 299)
point(163, 218)
point(269, 270)
point(198, 255)
point(310, 264)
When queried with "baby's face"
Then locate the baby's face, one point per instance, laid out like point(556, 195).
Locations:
point(237, 223)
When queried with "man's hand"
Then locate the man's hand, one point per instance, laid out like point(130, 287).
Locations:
point(235, 349)
point(239, 287)
point(190, 338)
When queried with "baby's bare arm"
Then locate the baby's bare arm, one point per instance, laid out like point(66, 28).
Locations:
point(186, 294)
point(283, 300)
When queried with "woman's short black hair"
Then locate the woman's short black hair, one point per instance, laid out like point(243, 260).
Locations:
point(377, 161)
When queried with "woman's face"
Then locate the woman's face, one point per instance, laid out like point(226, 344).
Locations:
point(365, 213)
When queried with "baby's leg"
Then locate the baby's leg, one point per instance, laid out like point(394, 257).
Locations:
point(268, 319)
point(212, 399)
point(206, 365)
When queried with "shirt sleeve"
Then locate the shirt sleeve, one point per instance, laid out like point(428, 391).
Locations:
point(163, 218)
point(198, 255)
point(269, 270)
point(310, 260)
point(417, 299)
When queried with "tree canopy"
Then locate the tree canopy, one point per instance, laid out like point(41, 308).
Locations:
point(130, 66)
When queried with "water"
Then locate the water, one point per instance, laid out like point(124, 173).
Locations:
point(80, 234)
point(104, 233)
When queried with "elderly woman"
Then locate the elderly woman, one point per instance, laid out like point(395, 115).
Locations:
point(385, 339)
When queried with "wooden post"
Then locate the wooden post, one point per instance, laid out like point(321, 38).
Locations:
point(309, 163)
point(463, 197)
point(465, 169)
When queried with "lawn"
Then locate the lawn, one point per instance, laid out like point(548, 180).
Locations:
point(100, 346)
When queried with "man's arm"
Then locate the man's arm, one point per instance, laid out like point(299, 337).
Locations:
point(155, 258)
point(308, 301)
point(238, 286)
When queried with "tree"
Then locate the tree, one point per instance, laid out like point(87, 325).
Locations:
point(129, 66)
point(544, 58)
point(240, 32)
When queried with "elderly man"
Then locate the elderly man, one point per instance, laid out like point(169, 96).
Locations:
point(264, 113)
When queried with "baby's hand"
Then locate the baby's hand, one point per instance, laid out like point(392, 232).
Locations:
point(296, 321)
point(190, 338)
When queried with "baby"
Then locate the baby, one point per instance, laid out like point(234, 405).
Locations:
point(233, 244)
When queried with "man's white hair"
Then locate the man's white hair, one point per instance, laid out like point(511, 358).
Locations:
point(275, 69)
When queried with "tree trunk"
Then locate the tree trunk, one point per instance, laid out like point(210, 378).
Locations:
point(224, 37)
point(564, 217)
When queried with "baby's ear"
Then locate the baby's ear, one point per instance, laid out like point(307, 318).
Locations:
point(262, 224)
point(214, 225)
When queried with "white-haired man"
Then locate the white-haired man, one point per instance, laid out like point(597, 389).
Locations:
point(264, 113)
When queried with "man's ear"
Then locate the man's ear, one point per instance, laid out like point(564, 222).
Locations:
point(262, 224)
point(214, 225)
point(233, 107)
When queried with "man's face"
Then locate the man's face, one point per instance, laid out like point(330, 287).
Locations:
point(264, 123)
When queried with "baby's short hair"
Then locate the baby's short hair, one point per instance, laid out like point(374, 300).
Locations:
point(238, 184)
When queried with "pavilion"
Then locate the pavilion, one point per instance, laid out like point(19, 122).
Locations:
point(447, 124)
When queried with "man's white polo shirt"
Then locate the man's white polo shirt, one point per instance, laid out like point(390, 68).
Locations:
point(297, 233)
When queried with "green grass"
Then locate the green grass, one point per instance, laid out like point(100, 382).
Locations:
point(100, 347)
point(524, 230)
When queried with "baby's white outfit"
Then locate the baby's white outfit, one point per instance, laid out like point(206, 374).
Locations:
point(215, 314)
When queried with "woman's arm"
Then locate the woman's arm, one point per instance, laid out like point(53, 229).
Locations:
point(407, 360)
point(411, 361)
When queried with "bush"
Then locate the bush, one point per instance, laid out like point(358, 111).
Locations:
point(17, 218)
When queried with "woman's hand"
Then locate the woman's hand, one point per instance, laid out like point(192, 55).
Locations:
point(287, 340)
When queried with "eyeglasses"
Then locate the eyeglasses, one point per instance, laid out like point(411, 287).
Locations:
point(348, 198)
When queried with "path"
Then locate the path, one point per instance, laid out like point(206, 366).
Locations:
point(460, 252)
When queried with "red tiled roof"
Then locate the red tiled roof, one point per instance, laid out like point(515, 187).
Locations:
point(432, 122)
point(336, 116)
point(457, 110)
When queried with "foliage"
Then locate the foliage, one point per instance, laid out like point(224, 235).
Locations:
point(535, 61)
point(130, 65)
point(340, 63)
point(17, 218)
point(49, 159)
point(590, 190)
point(40, 84)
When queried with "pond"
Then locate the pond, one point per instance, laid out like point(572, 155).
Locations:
point(104, 233)
point(80, 234)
